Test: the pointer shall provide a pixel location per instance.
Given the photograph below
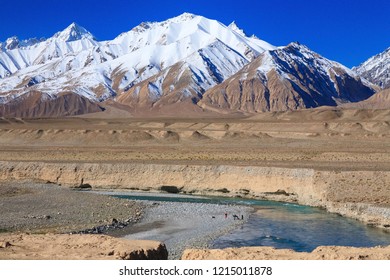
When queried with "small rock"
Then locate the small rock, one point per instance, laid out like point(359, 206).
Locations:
point(5, 244)
point(111, 253)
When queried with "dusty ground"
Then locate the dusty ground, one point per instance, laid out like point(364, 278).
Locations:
point(323, 138)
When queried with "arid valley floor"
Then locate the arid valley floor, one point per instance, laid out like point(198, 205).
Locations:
point(338, 159)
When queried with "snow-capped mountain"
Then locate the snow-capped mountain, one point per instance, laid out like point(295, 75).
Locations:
point(188, 79)
point(288, 78)
point(376, 69)
point(30, 55)
point(155, 64)
point(72, 60)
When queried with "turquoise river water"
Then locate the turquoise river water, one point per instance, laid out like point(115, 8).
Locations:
point(286, 225)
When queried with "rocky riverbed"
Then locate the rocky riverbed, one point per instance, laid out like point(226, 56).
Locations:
point(42, 208)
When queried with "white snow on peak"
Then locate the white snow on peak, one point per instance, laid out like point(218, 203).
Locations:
point(14, 43)
point(285, 60)
point(73, 58)
point(183, 17)
point(233, 26)
point(72, 33)
point(376, 69)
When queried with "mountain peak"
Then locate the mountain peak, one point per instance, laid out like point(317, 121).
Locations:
point(297, 45)
point(179, 19)
point(376, 69)
point(12, 43)
point(184, 17)
point(73, 32)
point(233, 26)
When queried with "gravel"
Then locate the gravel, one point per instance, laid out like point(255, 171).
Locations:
point(183, 225)
point(42, 208)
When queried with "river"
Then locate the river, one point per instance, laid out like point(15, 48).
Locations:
point(284, 225)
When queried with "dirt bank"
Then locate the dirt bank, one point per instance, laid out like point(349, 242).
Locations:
point(268, 253)
point(363, 195)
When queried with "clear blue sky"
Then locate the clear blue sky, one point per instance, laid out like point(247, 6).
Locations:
point(348, 31)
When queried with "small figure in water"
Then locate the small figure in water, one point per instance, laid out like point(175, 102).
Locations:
point(225, 215)
point(242, 217)
point(236, 217)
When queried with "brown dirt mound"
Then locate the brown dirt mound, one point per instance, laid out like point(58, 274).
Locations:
point(78, 247)
point(196, 135)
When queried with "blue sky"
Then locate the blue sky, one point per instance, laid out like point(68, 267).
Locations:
point(343, 30)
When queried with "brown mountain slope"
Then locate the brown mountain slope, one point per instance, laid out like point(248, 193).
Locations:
point(37, 104)
point(380, 100)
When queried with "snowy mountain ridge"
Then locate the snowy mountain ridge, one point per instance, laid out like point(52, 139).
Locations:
point(139, 53)
point(287, 78)
point(376, 69)
point(154, 64)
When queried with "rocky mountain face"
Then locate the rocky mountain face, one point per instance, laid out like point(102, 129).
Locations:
point(376, 69)
point(288, 78)
point(185, 62)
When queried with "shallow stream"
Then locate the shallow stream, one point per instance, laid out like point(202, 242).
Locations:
point(285, 225)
